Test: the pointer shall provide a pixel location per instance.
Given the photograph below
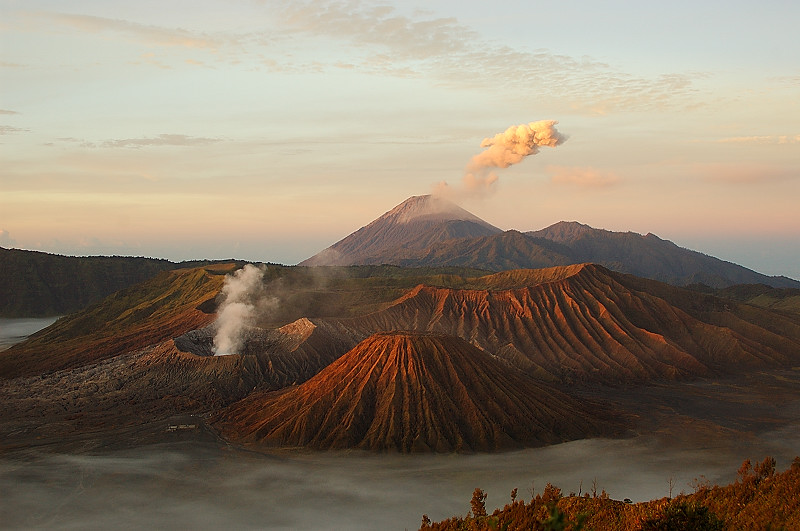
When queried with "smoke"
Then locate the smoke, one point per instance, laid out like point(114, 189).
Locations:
point(243, 294)
point(516, 143)
point(501, 151)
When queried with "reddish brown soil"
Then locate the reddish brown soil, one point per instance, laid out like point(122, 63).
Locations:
point(585, 323)
point(409, 392)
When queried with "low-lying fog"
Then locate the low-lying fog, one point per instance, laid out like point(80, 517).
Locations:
point(15, 330)
point(200, 486)
point(192, 485)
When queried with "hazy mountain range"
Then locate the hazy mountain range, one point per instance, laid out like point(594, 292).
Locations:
point(430, 231)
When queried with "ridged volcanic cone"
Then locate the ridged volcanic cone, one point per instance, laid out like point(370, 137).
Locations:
point(410, 391)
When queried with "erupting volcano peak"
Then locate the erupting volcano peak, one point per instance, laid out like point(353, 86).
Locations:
point(412, 226)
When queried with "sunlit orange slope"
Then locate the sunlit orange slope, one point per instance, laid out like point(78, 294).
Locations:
point(408, 392)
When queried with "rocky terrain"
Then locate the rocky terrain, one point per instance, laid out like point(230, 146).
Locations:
point(415, 392)
point(529, 357)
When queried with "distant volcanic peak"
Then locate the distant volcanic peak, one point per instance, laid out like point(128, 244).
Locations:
point(412, 227)
point(302, 327)
point(430, 208)
point(564, 231)
point(411, 391)
point(525, 278)
point(517, 279)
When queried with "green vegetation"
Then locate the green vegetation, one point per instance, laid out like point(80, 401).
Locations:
point(785, 299)
point(34, 284)
point(760, 498)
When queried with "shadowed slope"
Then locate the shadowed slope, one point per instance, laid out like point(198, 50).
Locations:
point(651, 257)
point(412, 392)
point(495, 252)
point(33, 283)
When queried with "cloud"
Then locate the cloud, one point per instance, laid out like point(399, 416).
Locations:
point(378, 40)
point(225, 46)
point(6, 111)
point(583, 177)
point(160, 140)
point(455, 55)
point(762, 140)
point(147, 34)
point(150, 59)
point(8, 130)
point(745, 174)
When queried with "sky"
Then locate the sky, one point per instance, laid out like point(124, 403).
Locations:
point(267, 131)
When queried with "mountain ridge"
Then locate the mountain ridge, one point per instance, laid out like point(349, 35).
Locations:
point(455, 238)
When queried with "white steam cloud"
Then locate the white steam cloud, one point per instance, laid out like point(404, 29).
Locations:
point(243, 293)
point(501, 151)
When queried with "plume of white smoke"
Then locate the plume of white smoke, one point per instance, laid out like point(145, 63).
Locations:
point(242, 292)
point(501, 151)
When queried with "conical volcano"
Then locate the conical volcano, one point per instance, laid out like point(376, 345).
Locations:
point(408, 391)
point(415, 224)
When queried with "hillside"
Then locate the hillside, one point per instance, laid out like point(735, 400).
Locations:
point(783, 299)
point(408, 391)
point(166, 306)
point(760, 498)
point(41, 284)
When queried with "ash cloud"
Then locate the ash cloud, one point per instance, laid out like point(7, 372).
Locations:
point(502, 150)
point(244, 299)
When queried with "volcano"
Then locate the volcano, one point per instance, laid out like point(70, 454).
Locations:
point(410, 391)
point(412, 226)
point(446, 362)
point(433, 232)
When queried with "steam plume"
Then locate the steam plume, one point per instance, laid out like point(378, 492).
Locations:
point(242, 292)
point(516, 143)
point(503, 150)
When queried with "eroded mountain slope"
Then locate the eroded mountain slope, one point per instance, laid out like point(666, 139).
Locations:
point(410, 391)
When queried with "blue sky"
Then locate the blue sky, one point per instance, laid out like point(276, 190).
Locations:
point(269, 130)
